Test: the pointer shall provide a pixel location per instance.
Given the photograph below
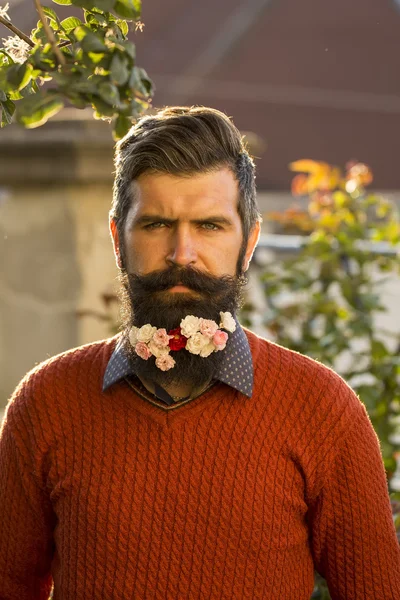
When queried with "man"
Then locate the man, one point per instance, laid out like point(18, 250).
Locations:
point(187, 458)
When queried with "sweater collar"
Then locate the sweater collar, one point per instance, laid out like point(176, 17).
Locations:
point(236, 369)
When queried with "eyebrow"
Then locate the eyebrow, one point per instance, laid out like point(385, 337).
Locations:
point(147, 219)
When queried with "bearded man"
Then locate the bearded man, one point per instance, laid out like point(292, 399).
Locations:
point(186, 457)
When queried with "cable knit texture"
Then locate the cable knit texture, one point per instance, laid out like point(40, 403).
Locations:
point(227, 497)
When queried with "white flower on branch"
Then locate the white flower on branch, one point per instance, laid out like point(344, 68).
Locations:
point(4, 11)
point(16, 48)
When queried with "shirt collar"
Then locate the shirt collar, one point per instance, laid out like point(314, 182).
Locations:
point(236, 369)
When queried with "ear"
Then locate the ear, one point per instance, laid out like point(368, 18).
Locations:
point(115, 239)
point(251, 244)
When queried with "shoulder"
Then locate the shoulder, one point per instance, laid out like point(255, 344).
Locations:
point(303, 386)
point(59, 375)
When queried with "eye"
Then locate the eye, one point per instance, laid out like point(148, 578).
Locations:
point(156, 225)
point(210, 226)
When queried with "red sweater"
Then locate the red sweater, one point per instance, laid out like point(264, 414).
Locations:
point(227, 497)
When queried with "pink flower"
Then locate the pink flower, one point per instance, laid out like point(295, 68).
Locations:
point(208, 327)
point(142, 350)
point(165, 362)
point(220, 338)
point(161, 338)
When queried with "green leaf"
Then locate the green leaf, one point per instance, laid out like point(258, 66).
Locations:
point(7, 111)
point(129, 48)
point(50, 13)
point(90, 42)
point(109, 93)
point(130, 9)
point(124, 27)
point(64, 2)
point(38, 35)
point(121, 126)
point(35, 110)
point(19, 75)
point(140, 82)
point(118, 70)
point(70, 24)
point(103, 109)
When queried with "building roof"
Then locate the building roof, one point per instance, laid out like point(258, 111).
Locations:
point(312, 79)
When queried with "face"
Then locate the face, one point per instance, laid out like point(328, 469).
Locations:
point(185, 222)
point(182, 241)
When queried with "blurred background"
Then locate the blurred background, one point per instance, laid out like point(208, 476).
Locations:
point(313, 79)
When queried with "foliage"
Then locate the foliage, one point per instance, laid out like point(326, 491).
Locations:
point(323, 302)
point(82, 62)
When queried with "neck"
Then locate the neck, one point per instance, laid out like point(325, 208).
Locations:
point(176, 390)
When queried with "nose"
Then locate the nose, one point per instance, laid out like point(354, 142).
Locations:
point(182, 251)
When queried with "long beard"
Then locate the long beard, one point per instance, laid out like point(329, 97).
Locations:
point(146, 299)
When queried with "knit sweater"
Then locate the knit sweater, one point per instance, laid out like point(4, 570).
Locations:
point(226, 497)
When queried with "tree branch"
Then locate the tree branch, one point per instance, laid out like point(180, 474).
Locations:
point(49, 33)
point(17, 31)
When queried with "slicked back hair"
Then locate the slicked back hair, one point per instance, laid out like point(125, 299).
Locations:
point(183, 141)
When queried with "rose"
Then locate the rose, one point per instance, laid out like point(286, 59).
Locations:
point(196, 343)
point(208, 327)
point(133, 335)
point(142, 350)
point(190, 325)
point(177, 340)
point(145, 333)
point(165, 362)
point(227, 321)
point(157, 350)
point(220, 338)
point(207, 350)
point(161, 338)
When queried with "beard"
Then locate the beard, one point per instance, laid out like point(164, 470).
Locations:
point(147, 299)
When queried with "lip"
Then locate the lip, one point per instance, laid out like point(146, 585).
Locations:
point(179, 288)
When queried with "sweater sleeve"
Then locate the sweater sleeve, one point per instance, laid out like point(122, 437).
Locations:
point(26, 523)
point(353, 538)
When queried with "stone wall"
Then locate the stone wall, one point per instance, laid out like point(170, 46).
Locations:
point(57, 261)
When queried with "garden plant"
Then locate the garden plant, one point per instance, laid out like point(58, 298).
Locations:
point(83, 62)
point(325, 301)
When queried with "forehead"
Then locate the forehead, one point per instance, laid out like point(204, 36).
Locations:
point(175, 196)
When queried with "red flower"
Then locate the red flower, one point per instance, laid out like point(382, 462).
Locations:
point(178, 341)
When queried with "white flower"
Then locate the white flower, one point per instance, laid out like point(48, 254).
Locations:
point(17, 48)
point(158, 350)
point(196, 343)
point(133, 335)
point(227, 321)
point(189, 326)
point(207, 350)
point(4, 11)
point(145, 333)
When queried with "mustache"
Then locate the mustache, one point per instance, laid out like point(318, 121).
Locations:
point(190, 277)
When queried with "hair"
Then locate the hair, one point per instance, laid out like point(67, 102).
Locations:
point(182, 140)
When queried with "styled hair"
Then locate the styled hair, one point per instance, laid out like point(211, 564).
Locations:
point(182, 140)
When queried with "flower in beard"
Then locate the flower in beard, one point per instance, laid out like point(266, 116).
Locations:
point(208, 349)
point(190, 325)
point(133, 335)
point(161, 338)
point(177, 341)
point(157, 350)
point(145, 333)
point(208, 327)
point(196, 343)
point(142, 350)
point(227, 321)
point(165, 362)
point(220, 338)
